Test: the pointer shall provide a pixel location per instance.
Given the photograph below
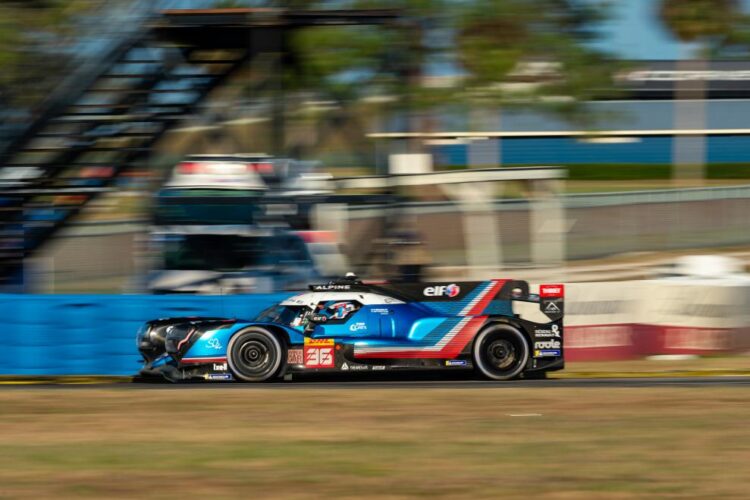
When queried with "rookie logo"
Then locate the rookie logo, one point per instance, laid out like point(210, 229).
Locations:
point(449, 291)
point(548, 344)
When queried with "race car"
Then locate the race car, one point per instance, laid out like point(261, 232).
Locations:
point(348, 325)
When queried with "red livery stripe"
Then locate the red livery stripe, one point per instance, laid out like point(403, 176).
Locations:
point(218, 359)
point(480, 306)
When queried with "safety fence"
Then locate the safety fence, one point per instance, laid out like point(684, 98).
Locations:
point(95, 334)
point(595, 225)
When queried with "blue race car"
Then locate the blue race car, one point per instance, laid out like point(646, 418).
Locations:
point(349, 325)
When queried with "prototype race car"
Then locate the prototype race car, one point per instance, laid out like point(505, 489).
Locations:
point(348, 325)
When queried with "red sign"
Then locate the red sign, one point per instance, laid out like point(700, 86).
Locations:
point(551, 291)
point(318, 357)
point(319, 353)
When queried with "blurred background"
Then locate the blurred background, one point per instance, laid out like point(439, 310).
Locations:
point(230, 147)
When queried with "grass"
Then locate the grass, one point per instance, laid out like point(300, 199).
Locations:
point(374, 443)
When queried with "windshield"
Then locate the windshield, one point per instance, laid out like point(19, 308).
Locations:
point(214, 252)
point(291, 316)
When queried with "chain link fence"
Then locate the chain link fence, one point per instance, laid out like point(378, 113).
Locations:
point(596, 225)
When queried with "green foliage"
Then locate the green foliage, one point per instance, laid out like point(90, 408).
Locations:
point(31, 34)
point(647, 172)
point(632, 172)
point(699, 20)
point(491, 43)
point(624, 172)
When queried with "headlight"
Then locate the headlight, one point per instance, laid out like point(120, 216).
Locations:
point(141, 334)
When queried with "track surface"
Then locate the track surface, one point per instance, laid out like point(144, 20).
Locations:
point(401, 383)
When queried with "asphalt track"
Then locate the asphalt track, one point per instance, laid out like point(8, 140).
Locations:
point(392, 382)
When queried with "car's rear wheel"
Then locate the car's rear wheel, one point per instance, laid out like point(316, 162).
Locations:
point(255, 355)
point(500, 352)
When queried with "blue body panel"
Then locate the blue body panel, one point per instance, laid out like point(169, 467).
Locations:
point(213, 343)
point(382, 325)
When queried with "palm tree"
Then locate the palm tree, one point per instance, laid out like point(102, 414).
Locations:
point(707, 24)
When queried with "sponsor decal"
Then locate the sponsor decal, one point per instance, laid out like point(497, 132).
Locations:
point(325, 288)
point(219, 376)
point(318, 342)
point(379, 310)
point(449, 291)
point(551, 291)
point(294, 357)
point(356, 327)
point(554, 331)
point(213, 343)
point(345, 367)
point(360, 368)
point(378, 367)
point(456, 362)
point(551, 307)
point(319, 353)
point(548, 344)
point(204, 360)
point(547, 353)
point(220, 367)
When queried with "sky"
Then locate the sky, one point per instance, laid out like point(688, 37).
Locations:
point(635, 32)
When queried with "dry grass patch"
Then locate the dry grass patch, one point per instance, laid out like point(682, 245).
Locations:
point(375, 443)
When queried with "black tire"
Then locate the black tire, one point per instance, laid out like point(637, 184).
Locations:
point(255, 355)
point(500, 352)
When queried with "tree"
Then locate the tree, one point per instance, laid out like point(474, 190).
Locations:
point(487, 42)
point(33, 38)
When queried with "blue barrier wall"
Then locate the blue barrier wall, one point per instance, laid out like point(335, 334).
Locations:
point(572, 151)
point(95, 334)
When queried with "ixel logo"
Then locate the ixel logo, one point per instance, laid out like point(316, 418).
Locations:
point(443, 290)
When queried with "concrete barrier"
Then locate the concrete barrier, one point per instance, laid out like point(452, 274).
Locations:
point(95, 334)
point(628, 320)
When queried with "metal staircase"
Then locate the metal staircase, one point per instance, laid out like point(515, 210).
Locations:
point(109, 120)
point(79, 147)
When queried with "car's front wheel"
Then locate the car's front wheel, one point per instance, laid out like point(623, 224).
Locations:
point(500, 352)
point(255, 355)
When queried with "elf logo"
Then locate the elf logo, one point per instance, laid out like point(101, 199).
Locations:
point(443, 290)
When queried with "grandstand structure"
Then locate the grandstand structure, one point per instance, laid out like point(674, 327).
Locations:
point(108, 119)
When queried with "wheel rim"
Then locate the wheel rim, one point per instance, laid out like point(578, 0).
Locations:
point(501, 353)
point(254, 356)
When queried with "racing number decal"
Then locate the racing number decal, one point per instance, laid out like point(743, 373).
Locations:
point(319, 353)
